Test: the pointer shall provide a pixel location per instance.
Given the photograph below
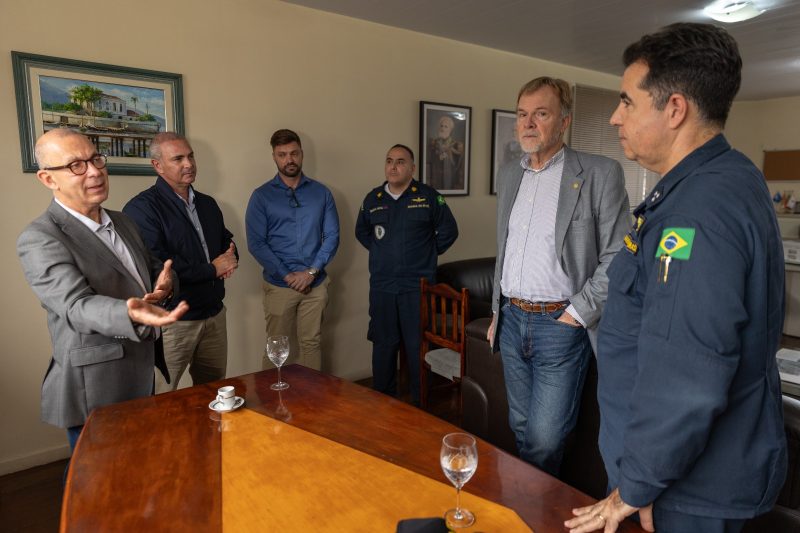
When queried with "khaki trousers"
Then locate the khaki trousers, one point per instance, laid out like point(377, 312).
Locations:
point(299, 317)
point(200, 344)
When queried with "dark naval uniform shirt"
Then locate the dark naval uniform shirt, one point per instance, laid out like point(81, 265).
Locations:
point(404, 236)
point(689, 390)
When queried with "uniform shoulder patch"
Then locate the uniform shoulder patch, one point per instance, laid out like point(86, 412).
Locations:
point(676, 243)
point(440, 200)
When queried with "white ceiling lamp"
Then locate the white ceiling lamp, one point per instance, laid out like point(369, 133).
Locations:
point(730, 11)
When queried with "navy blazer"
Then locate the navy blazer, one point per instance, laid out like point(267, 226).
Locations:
point(169, 234)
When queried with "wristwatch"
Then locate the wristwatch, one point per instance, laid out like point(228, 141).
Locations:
point(314, 272)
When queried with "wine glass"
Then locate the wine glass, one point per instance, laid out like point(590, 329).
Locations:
point(278, 351)
point(459, 459)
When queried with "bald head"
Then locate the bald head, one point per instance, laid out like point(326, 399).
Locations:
point(83, 192)
point(51, 142)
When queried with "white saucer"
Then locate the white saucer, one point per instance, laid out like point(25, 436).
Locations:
point(216, 405)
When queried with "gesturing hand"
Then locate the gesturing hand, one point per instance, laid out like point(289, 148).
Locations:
point(142, 312)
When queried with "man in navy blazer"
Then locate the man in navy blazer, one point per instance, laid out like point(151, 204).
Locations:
point(186, 226)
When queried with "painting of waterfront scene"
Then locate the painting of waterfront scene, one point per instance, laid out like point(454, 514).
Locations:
point(120, 109)
point(120, 119)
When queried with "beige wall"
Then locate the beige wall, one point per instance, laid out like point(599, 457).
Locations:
point(350, 88)
point(754, 127)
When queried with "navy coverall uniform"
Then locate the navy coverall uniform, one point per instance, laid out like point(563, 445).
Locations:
point(404, 238)
point(689, 391)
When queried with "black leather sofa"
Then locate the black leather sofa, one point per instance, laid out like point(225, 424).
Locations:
point(485, 407)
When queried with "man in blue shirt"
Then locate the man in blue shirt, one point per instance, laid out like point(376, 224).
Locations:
point(691, 419)
point(293, 232)
point(185, 225)
point(405, 225)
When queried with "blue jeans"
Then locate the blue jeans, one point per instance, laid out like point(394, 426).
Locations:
point(544, 364)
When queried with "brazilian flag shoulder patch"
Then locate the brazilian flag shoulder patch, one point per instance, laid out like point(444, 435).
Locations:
point(440, 200)
point(676, 243)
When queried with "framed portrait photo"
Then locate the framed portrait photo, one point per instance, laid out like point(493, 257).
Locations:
point(444, 147)
point(120, 109)
point(505, 146)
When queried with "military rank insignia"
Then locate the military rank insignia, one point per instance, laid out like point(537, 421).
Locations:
point(630, 245)
point(639, 223)
point(676, 243)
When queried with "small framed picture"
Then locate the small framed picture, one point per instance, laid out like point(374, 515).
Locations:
point(505, 146)
point(120, 109)
point(444, 147)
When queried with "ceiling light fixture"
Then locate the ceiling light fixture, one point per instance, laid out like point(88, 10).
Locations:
point(729, 11)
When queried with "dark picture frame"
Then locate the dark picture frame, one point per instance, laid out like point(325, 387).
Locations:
point(505, 146)
point(445, 146)
point(119, 108)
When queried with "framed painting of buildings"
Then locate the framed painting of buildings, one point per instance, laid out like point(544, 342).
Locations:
point(444, 147)
point(120, 109)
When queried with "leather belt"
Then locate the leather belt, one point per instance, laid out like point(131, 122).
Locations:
point(538, 307)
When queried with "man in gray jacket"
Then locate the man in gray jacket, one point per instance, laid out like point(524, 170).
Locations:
point(561, 218)
point(95, 278)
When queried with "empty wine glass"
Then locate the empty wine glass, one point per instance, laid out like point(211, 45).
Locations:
point(277, 352)
point(459, 460)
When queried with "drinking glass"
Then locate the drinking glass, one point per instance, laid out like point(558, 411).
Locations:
point(277, 352)
point(459, 459)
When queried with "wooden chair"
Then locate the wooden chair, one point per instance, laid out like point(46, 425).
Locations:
point(444, 314)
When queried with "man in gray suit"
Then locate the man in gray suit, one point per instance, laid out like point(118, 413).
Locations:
point(561, 218)
point(95, 278)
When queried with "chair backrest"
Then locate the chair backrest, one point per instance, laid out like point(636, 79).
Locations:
point(444, 315)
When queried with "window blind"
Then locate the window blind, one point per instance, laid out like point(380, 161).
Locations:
point(592, 133)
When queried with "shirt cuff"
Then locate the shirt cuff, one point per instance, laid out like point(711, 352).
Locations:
point(638, 494)
point(571, 310)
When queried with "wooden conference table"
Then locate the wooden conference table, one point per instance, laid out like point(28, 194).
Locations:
point(324, 455)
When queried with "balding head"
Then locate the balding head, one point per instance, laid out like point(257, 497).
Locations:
point(82, 192)
point(51, 142)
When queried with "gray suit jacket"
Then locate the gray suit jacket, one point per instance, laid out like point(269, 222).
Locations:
point(592, 219)
point(98, 357)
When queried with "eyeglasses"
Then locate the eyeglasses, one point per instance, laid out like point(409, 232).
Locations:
point(80, 166)
point(292, 198)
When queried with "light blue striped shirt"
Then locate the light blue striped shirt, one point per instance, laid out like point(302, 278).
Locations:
point(531, 270)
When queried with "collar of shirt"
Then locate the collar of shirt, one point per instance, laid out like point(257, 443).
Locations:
point(105, 220)
point(711, 149)
point(278, 182)
point(412, 188)
point(190, 203)
point(525, 162)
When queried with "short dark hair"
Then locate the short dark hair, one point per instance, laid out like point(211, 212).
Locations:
point(281, 137)
point(161, 138)
point(404, 147)
point(699, 61)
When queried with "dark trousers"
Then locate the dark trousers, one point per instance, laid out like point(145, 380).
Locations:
point(668, 521)
point(394, 318)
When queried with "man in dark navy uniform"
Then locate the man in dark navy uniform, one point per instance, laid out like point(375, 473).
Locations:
point(691, 420)
point(405, 225)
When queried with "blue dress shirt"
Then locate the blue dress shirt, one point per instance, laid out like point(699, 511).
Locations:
point(292, 230)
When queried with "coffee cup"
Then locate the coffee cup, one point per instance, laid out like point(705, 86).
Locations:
point(226, 397)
